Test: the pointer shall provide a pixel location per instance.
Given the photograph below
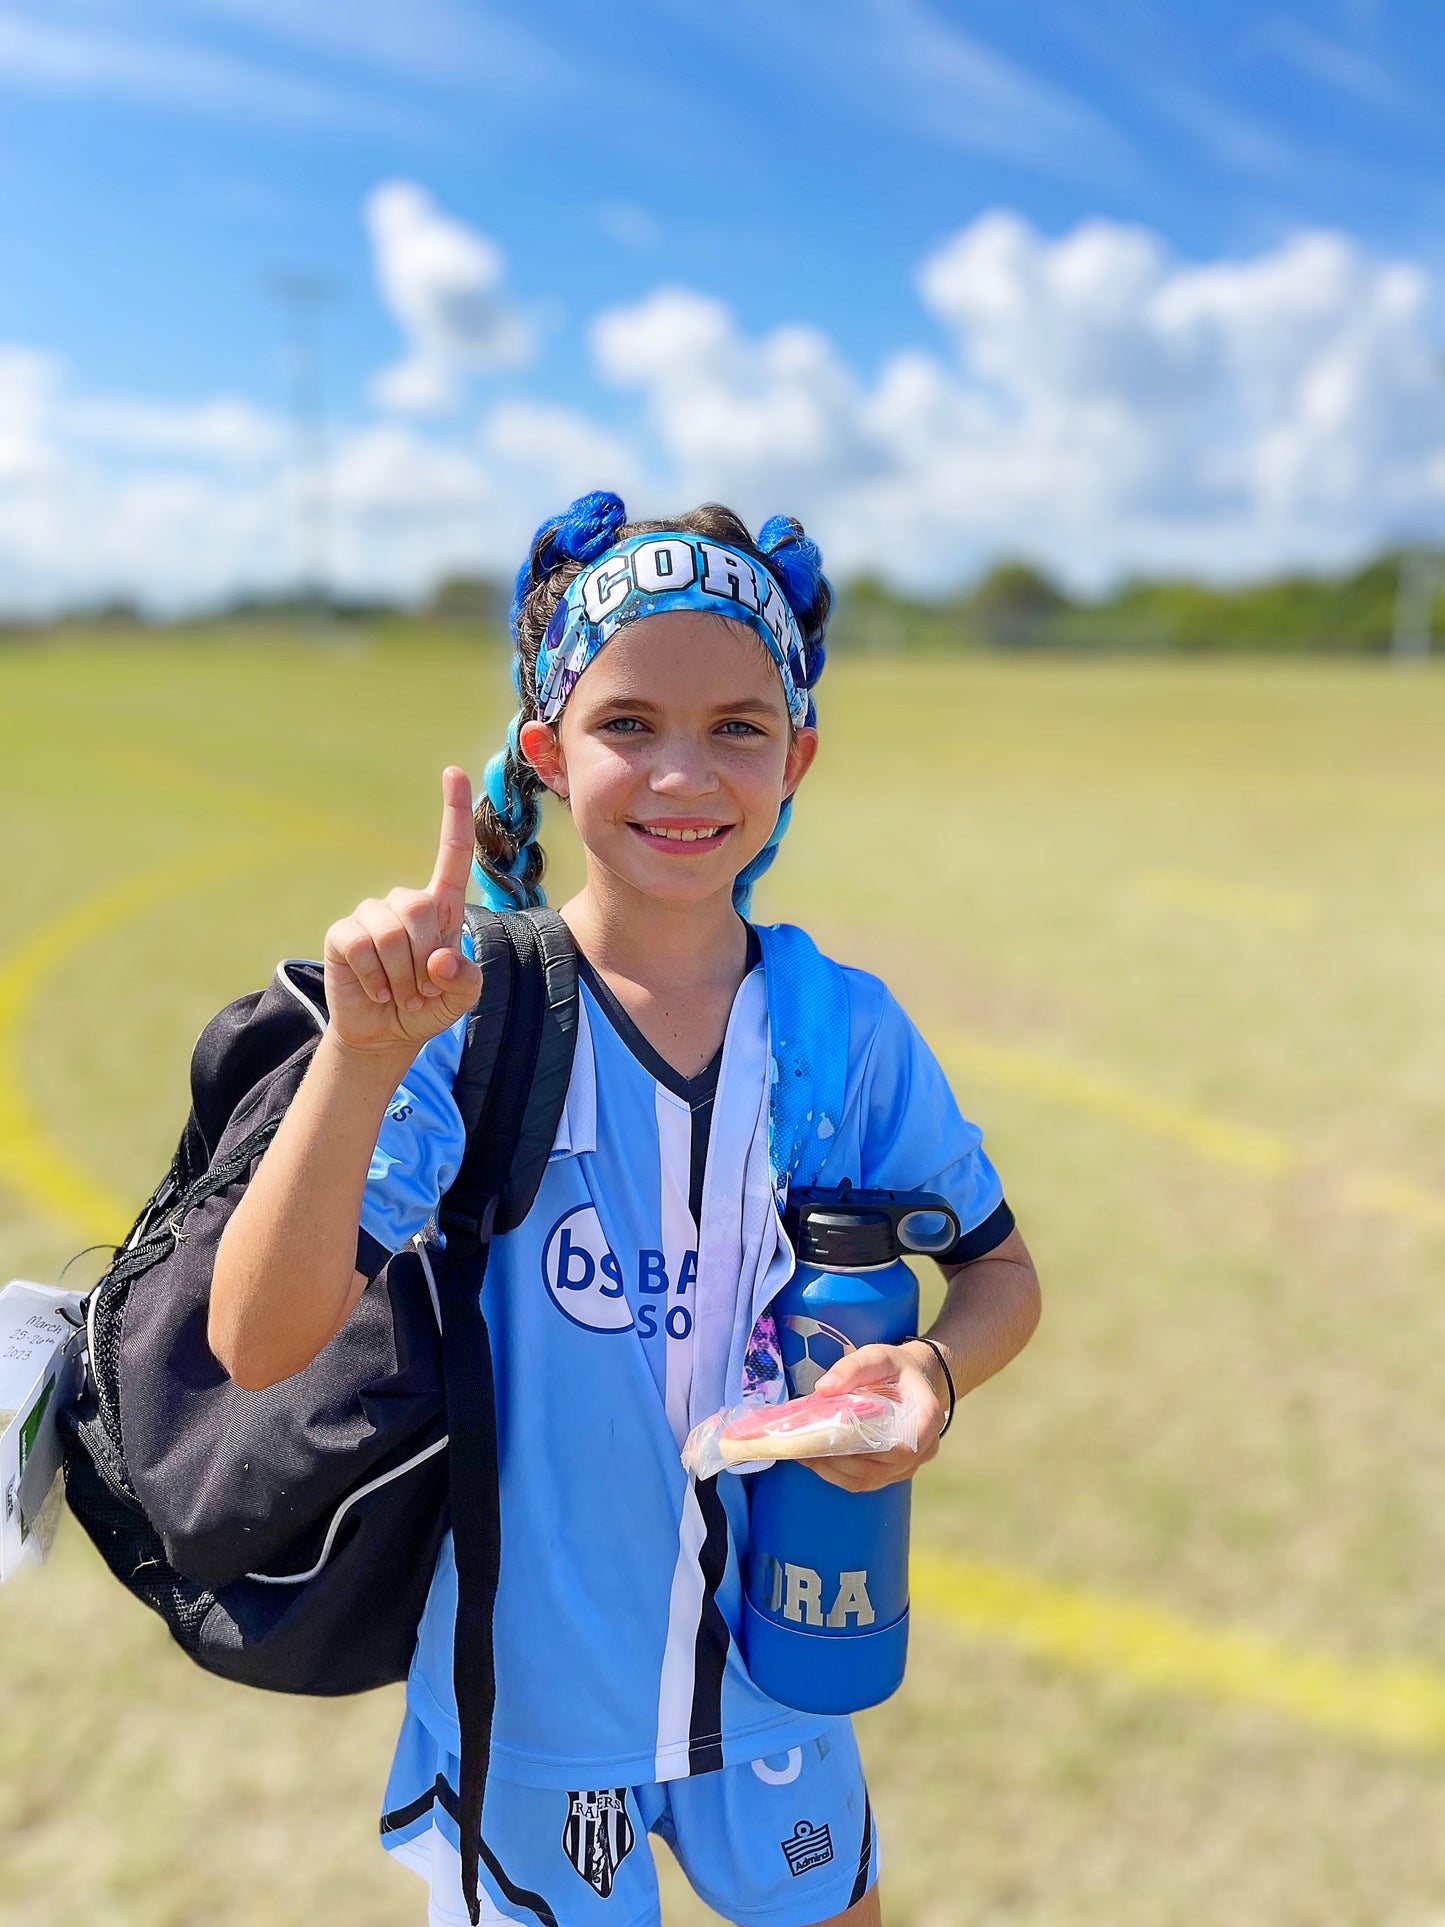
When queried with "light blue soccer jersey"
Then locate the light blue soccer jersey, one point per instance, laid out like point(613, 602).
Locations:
point(614, 1327)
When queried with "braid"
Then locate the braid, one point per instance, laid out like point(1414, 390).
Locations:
point(508, 817)
point(509, 864)
point(510, 861)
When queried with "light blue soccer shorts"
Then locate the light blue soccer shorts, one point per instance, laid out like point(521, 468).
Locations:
point(785, 1841)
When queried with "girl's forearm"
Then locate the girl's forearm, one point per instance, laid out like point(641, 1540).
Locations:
point(989, 1314)
point(285, 1277)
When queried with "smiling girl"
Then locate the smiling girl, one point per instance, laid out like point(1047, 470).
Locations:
point(664, 672)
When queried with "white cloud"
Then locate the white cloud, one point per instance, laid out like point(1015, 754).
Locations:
point(1095, 402)
point(733, 416)
point(225, 430)
point(38, 55)
point(178, 506)
point(904, 62)
point(442, 281)
point(559, 450)
point(1333, 63)
point(445, 43)
point(29, 382)
point(629, 225)
point(1106, 407)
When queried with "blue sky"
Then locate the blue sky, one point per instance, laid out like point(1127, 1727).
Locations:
point(1118, 285)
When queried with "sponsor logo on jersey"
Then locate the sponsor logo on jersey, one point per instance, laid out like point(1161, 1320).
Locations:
point(585, 1280)
point(582, 1273)
point(598, 1836)
point(807, 1847)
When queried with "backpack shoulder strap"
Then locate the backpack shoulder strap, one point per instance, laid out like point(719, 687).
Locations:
point(511, 1098)
point(516, 1062)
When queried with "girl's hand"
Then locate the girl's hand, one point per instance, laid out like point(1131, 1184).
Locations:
point(897, 1371)
point(395, 973)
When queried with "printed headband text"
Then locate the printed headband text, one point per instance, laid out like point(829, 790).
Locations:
point(649, 574)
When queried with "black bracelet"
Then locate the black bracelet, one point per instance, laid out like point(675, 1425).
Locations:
point(937, 1350)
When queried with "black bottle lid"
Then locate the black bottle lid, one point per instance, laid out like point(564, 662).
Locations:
point(844, 1240)
point(851, 1230)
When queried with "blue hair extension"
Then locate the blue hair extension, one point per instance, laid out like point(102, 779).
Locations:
point(796, 562)
point(584, 530)
point(514, 887)
point(745, 879)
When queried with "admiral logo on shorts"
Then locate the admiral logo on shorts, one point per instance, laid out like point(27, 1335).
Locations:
point(598, 1835)
point(807, 1847)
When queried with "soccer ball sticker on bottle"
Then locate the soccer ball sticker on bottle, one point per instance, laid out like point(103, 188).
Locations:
point(825, 1618)
point(809, 1349)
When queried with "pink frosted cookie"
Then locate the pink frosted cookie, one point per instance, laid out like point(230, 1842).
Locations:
point(804, 1428)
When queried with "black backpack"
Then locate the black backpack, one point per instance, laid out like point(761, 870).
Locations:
point(287, 1537)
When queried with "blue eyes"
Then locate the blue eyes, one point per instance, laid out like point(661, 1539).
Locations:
point(736, 728)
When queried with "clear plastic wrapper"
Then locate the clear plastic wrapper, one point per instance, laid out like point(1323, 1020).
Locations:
point(824, 1425)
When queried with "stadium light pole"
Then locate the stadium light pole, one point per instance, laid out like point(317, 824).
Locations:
point(302, 297)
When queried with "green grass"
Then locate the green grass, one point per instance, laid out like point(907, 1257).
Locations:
point(1212, 885)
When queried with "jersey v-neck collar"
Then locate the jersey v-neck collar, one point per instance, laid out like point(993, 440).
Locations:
point(697, 1093)
point(693, 1091)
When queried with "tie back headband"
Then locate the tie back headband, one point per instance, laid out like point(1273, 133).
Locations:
point(648, 575)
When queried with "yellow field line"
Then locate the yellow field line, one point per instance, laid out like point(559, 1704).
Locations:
point(174, 780)
point(1093, 1632)
point(1228, 901)
point(30, 1162)
point(1048, 1077)
point(1396, 1198)
point(1263, 1153)
point(1392, 1705)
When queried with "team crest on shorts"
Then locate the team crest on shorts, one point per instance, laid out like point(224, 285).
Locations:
point(598, 1835)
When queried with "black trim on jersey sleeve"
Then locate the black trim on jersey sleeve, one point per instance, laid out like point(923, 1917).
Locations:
point(982, 1239)
point(372, 1255)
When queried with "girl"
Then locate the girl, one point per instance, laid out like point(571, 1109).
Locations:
point(664, 672)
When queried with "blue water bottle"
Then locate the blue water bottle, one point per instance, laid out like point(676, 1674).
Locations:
point(825, 1614)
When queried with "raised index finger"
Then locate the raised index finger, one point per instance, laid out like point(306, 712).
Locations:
point(448, 886)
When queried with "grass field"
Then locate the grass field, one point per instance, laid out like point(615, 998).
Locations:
point(1178, 931)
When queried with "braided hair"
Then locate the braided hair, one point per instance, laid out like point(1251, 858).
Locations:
point(508, 815)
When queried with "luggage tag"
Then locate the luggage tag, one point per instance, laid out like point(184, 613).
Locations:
point(40, 1343)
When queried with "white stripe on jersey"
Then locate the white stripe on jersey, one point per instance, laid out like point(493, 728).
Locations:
point(679, 1658)
point(679, 1236)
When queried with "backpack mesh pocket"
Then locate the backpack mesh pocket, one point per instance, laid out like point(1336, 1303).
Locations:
point(132, 1548)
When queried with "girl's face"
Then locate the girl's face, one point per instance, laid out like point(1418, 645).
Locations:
point(675, 754)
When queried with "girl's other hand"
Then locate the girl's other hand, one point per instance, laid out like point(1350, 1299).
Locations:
point(896, 1372)
point(395, 973)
